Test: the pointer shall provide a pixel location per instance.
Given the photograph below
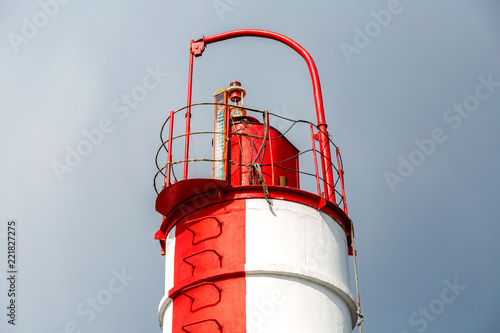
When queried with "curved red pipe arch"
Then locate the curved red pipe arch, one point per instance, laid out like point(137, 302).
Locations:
point(197, 48)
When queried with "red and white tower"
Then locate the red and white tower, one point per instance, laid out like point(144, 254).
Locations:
point(246, 249)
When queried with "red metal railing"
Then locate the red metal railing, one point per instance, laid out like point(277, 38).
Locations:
point(308, 159)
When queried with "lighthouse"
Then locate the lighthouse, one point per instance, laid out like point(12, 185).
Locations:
point(248, 246)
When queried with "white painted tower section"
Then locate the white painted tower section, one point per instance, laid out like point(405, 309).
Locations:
point(297, 270)
point(165, 311)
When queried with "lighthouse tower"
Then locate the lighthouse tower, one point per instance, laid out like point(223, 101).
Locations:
point(246, 248)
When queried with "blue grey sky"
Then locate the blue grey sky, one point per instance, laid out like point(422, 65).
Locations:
point(411, 99)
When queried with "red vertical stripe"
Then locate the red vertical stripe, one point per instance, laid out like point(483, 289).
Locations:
point(208, 243)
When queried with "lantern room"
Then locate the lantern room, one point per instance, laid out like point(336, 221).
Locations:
point(251, 151)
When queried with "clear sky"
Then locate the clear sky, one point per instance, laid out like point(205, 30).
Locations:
point(412, 98)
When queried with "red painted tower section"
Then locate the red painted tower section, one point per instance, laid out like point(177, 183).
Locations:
point(209, 261)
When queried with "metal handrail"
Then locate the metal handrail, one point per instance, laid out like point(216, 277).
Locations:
point(167, 169)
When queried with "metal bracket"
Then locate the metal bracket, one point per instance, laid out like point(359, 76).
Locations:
point(188, 224)
point(219, 326)
point(160, 235)
point(197, 47)
point(185, 259)
point(321, 203)
point(186, 291)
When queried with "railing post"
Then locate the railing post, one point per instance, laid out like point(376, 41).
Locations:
point(188, 114)
point(341, 176)
point(169, 156)
point(315, 159)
